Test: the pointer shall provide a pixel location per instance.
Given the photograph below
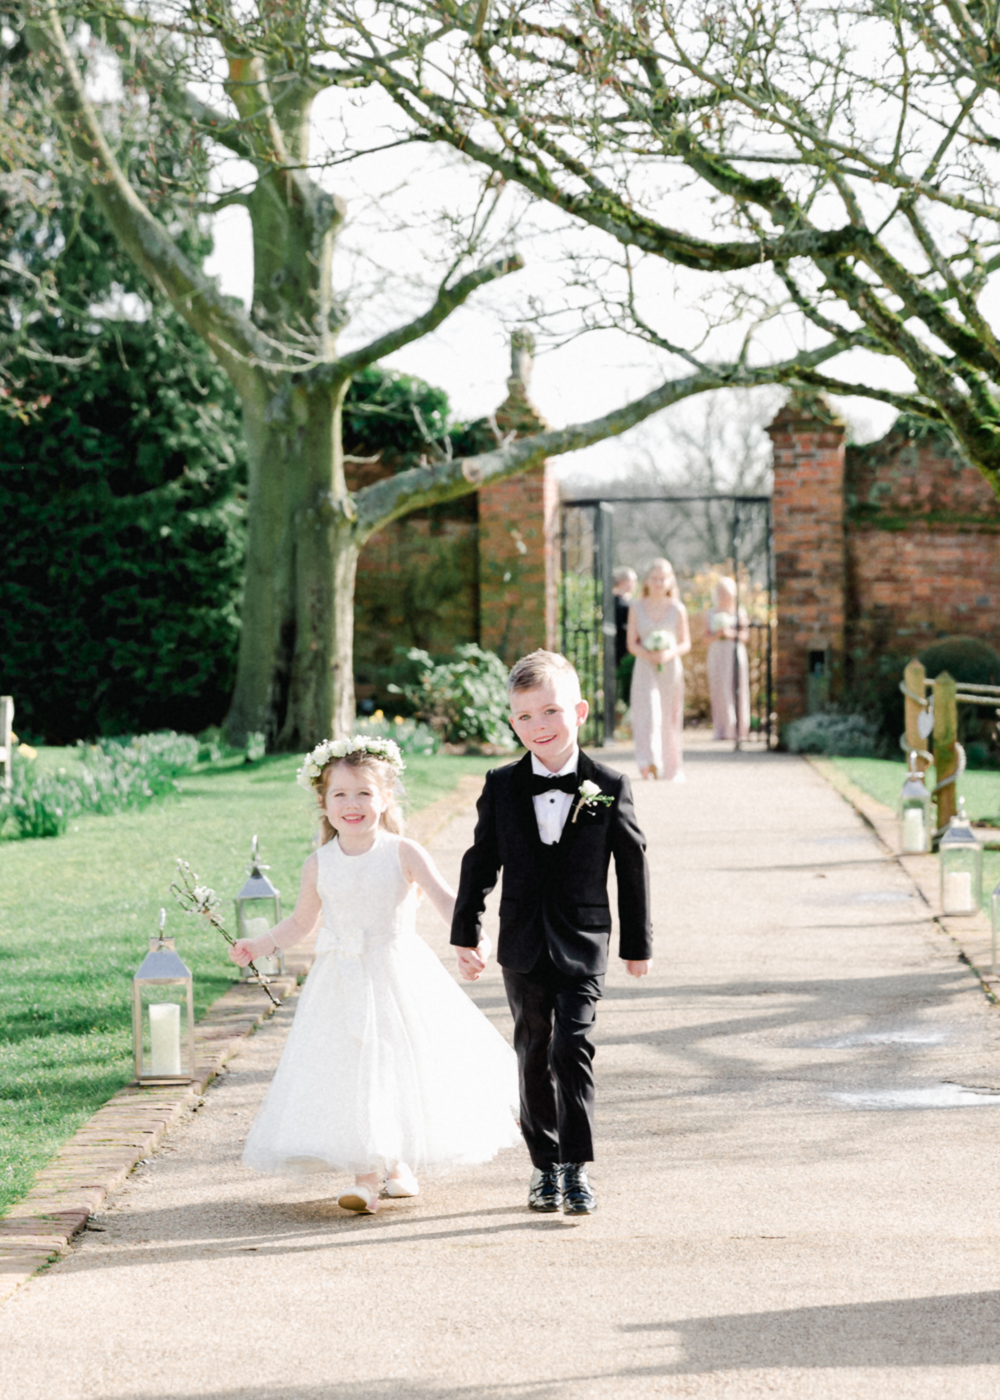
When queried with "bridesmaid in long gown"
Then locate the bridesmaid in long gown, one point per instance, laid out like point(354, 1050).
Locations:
point(728, 635)
point(658, 679)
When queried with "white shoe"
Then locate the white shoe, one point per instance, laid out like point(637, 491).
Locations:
point(361, 1199)
point(404, 1184)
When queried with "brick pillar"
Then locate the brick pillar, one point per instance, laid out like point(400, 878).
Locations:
point(518, 532)
point(809, 554)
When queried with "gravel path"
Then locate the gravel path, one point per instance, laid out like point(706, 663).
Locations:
point(796, 1199)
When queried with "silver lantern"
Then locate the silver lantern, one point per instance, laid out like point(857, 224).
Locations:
point(163, 1015)
point(961, 866)
point(258, 909)
point(915, 828)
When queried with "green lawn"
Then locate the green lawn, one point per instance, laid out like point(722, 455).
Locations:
point(883, 778)
point(75, 913)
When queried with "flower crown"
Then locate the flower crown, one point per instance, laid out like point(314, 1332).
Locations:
point(330, 750)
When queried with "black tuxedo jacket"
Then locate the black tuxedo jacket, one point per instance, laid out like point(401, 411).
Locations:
point(556, 896)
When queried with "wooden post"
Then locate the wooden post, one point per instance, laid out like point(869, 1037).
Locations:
point(6, 741)
point(945, 738)
point(915, 680)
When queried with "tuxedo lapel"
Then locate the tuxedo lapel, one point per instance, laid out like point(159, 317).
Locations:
point(524, 803)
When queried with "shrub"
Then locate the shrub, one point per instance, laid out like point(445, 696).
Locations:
point(975, 662)
point(966, 659)
point(850, 736)
point(463, 699)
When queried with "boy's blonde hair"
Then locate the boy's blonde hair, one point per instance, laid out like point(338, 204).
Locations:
point(383, 777)
point(537, 668)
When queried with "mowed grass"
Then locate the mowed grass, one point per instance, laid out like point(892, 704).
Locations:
point(76, 913)
point(883, 778)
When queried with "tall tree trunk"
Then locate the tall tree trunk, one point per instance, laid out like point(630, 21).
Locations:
point(294, 678)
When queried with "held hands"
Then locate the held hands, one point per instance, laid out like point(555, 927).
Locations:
point(472, 961)
point(638, 967)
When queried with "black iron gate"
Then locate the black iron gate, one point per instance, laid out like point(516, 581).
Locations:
point(689, 529)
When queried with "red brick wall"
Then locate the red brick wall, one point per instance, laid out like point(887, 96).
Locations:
point(480, 568)
point(922, 547)
point(809, 548)
point(517, 576)
point(878, 551)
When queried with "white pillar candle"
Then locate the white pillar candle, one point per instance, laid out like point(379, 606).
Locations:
point(958, 892)
point(256, 928)
point(165, 1037)
point(914, 838)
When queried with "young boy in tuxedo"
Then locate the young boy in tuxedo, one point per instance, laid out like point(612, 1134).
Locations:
point(552, 822)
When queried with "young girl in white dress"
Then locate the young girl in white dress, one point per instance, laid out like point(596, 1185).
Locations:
point(658, 636)
point(389, 1068)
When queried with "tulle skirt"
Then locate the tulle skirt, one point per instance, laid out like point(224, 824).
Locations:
point(387, 1061)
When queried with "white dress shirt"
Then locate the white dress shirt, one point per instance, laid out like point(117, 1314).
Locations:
point(552, 809)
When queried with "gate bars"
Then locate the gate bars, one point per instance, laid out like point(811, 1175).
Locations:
point(587, 598)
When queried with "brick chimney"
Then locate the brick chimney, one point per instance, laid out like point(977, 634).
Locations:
point(518, 531)
point(808, 508)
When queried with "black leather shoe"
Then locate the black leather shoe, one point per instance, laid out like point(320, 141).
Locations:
point(545, 1189)
point(578, 1198)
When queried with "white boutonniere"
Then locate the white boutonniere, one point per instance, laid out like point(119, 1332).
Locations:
point(590, 796)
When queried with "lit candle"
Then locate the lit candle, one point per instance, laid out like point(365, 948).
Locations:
point(256, 928)
point(165, 1037)
point(913, 831)
point(958, 892)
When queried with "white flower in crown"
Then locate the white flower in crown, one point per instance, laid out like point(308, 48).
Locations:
point(590, 795)
point(387, 750)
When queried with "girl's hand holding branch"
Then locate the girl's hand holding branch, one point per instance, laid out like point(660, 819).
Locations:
point(300, 923)
point(248, 950)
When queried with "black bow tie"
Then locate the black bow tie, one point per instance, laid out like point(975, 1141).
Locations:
point(566, 782)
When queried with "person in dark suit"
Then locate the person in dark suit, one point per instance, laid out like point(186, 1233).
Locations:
point(552, 822)
point(626, 581)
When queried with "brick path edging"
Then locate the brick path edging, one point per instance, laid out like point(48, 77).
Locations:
point(971, 935)
point(99, 1156)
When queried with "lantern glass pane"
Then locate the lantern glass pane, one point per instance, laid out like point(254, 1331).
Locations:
point(915, 825)
point(961, 879)
point(257, 916)
point(165, 1030)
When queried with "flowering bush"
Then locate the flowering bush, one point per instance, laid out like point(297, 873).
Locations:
point(464, 699)
point(108, 776)
point(850, 736)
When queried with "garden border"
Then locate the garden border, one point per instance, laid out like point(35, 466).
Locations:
point(123, 1132)
point(971, 935)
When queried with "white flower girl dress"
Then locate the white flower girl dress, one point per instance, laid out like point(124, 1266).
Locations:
point(387, 1060)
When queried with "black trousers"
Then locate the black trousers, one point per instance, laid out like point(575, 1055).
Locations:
point(553, 1018)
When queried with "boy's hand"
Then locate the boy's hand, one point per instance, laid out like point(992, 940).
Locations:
point(638, 967)
point(472, 962)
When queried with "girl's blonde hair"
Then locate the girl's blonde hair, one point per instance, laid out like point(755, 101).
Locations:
point(725, 585)
point(384, 778)
point(672, 591)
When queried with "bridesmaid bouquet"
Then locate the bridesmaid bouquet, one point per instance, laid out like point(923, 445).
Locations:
point(660, 640)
